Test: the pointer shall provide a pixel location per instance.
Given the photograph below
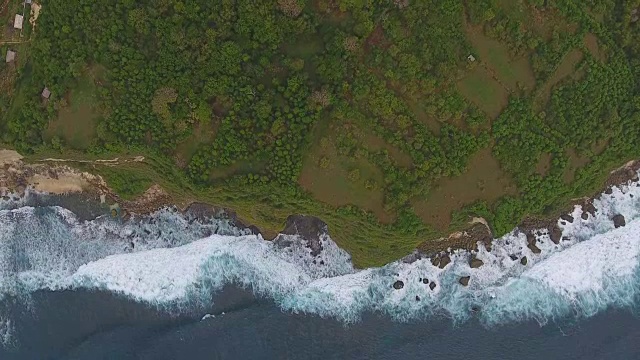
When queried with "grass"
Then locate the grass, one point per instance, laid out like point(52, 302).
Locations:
point(496, 58)
point(77, 121)
point(483, 180)
point(340, 180)
point(566, 68)
point(486, 93)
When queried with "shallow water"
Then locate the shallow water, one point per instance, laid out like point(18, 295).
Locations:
point(72, 286)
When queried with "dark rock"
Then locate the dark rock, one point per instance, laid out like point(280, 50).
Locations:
point(534, 249)
point(417, 298)
point(609, 191)
point(589, 208)
point(310, 228)
point(398, 285)
point(464, 281)
point(425, 281)
point(565, 238)
point(619, 221)
point(567, 217)
point(444, 260)
point(513, 257)
point(475, 262)
point(321, 262)
point(420, 280)
point(475, 308)
point(441, 260)
point(413, 257)
point(432, 286)
point(555, 234)
point(585, 215)
point(523, 261)
point(531, 239)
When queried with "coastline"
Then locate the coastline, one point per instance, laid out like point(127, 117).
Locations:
point(70, 188)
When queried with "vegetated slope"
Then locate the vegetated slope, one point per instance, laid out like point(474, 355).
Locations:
point(354, 111)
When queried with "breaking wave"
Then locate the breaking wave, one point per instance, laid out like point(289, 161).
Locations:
point(172, 261)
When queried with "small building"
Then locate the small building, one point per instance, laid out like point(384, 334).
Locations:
point(471, 58)
point(46, 93)
point(11, 56)
point(17, 23)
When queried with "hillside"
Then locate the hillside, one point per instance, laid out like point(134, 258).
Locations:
point(395, 122)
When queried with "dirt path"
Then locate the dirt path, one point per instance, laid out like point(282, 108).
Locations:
point(114, 161)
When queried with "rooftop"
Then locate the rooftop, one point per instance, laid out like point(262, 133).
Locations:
point(11, 56)
point(17, 23)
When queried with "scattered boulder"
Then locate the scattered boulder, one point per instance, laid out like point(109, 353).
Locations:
point(555, 233)
point(464, 281)
point(417, 298)
point(425, 281)
point(476, 263)
point(609, 191)
point(619, 221)
point(432, 285)
point(398, 285)
point(566, 217)
point(534, 249)
point(513, 257)
point(585, 215)
point(523, 261)
point(441, 260)
point(411, 258)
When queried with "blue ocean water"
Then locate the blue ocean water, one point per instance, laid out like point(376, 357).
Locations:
point(171, 286)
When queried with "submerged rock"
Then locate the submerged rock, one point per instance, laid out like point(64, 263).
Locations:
point(619, 221)
point(417, 298)
point(464, 281)
point(398, 285)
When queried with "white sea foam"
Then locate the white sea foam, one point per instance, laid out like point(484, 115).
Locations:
point(172, 262)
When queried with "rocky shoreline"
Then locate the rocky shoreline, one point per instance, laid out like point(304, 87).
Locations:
point(71, 188)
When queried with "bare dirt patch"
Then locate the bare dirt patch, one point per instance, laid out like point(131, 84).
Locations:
point(591, 42)
point(544, 164)
point(576, 162)
point(60, 184)
point(9, 156)
point(483, 180)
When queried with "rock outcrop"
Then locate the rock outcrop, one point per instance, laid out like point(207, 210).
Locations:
point(464, 281)
point(398, 285)
point(309, 228)
point(619, 221)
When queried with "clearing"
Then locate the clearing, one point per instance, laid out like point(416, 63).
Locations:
point(566, 68)
point(483, 180)
point(494, 56)
point(340, 180)
point(78, 113)
point(487, 94)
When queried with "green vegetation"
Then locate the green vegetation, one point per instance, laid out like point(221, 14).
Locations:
point(368, 114)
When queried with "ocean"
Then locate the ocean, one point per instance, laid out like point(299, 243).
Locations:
point(76, 284)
